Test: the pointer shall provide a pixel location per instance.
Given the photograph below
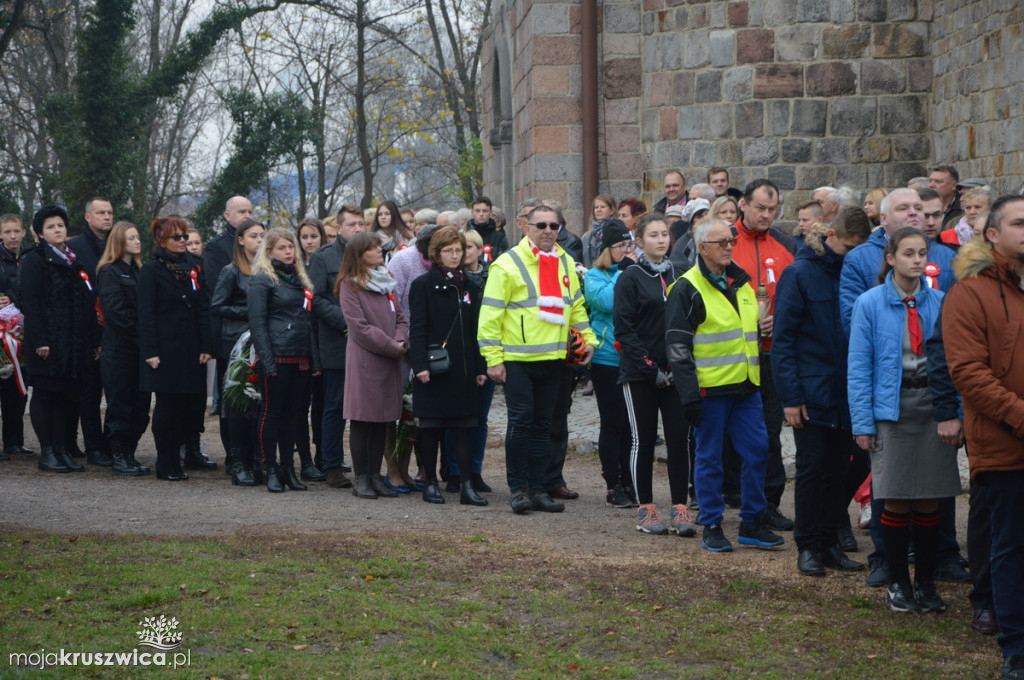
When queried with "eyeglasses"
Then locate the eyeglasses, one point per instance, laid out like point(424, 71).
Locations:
point(451, 251)
point(723, 242)
point(179, 237)
point(554, 226)
point(624, 246)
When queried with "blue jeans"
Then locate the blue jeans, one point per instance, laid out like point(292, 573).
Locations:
point(531, 389)
point(742, 416)
point(1005, 490)
point(332, 445)
point(478, 436)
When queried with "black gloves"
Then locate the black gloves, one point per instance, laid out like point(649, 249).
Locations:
point(694, 413)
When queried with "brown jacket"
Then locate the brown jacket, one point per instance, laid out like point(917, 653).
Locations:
point(374, 378)
point(983, 327)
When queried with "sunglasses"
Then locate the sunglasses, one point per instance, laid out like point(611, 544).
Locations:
point(179, 237)
point(554, 226)
point(722, 243)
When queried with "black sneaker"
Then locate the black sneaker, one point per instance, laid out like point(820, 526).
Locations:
point(1013, 667)
point(775, 520)
point(879, 575)
point(617, 499)
point(900, 597)
point(520, 502)
point(759, 535)
point(714, 539)
point(630, 493)
point(928, 598)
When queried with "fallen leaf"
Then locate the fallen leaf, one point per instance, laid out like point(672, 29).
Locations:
point(299, 648)
point(574, 667)
point(369, 577)
point(434, 665)
point(72, 539)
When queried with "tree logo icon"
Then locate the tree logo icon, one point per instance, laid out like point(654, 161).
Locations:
point(159, 633)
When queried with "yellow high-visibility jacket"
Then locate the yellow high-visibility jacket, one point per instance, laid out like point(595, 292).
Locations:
point(510, 327)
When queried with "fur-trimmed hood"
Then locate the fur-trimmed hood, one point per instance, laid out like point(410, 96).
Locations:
point(973, 258)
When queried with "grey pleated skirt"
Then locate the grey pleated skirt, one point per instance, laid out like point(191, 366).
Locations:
point(910, 461)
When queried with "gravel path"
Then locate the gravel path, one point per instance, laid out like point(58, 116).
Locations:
point(98, 502)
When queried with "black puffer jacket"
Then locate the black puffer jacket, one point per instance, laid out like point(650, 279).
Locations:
point(230, 303)
point(118, 285)
point(59, 313)
point(639, 316)
point(434, 306)
point(216, 255)
point(280, 322)
point(10, 263)
point(494, 239)
point(332, 331)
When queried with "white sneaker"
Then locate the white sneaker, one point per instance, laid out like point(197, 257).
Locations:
point(864, 521)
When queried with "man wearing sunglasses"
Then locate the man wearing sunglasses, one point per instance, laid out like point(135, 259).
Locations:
point(531, 299)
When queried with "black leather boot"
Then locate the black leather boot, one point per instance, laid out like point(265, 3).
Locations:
point(131, 457)
point(362, 488)
point(240, 474)
point(469, 496)
point(290, 479)
point(49, 462)
point(432, 492)
point(195, 459)
point(120, 463)
point(479, 485)
point(274, 484)
point(64, 457)
point(380, 488)
point(99, 457)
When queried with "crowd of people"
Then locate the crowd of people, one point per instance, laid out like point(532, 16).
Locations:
point(852, 328)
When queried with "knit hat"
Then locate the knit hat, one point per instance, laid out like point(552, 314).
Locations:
point(674, 211)
point(694, 207)
point(615, 231)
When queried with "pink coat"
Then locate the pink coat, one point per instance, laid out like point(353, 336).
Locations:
point(374, 378)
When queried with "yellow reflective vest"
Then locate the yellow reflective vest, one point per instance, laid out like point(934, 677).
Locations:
point(510, 327)
point(725, 348)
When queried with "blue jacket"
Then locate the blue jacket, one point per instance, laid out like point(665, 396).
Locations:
point(862, 264)
point(876, 351)
point(599, 289)
point(809, 345)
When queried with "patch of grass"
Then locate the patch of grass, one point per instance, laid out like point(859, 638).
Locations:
point(320, 605)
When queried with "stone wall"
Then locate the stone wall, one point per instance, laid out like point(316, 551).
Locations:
point(978, 95)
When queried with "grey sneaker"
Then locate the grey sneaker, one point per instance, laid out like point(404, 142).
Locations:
point(900, 597)
point(680, 522)
point(648, 521)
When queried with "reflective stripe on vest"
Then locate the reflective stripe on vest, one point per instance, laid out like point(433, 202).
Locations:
point(725, 347)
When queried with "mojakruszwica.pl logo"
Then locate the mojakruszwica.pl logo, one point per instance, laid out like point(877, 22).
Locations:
point(158, 637)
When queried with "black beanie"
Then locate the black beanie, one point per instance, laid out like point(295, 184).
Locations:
point(615, 231)
point(46, 212)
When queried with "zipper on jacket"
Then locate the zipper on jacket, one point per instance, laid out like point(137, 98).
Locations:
point(522, 326)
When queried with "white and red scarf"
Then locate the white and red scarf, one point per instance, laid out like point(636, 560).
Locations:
point(550, 302)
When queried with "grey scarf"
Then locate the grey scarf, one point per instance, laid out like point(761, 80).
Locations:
point(380, 280)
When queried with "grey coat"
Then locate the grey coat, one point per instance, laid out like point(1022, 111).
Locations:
point(374, 379)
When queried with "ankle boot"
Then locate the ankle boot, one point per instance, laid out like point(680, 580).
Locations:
point(380, 488)
point(49, 462)
point(362, 488)
point(479, 485)
point(240, 474)
point(64, 457)
point(290, 479)
point(432, 493)
point(274, 484)
point(469, 495)
point(312, 473)
point(132, 448)
point(195, 459)
point(121, 465)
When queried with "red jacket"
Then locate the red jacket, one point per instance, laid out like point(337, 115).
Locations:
point(763, 255)
point(983, 331)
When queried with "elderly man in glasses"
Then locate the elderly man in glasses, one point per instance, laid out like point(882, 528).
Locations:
point(531, 299)
point(712, 333)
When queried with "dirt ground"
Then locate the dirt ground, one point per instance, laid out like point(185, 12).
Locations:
point(98, 502)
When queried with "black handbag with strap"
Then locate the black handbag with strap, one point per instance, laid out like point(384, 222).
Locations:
point(437, 355)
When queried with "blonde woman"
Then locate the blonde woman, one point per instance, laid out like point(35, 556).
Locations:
point(724, 208)
point(117, 281)
point(280, 312)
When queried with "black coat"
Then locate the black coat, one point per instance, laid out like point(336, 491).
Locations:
point(174, 324)
point(88, 249)
point(217, 254)
point(60, 313)
point(280, 322)
point(434, 305)
point(230, 303)
point(639, 315)
point(570, 243)
point(118, 285)
point(332, 331)
point(491, 236)
point(9, 265)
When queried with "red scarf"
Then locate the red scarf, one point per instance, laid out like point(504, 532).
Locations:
point(552, 306)
point(914, 324)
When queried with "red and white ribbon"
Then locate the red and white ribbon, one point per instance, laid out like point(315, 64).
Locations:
point(12, 348)
point(487, 254)
point(85, 277)
point(931, 274)
point(391, 301)
point(307, 302)
point(194, 275)
point(769, 265)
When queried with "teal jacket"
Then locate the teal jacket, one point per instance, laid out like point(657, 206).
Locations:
point(599, 290)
